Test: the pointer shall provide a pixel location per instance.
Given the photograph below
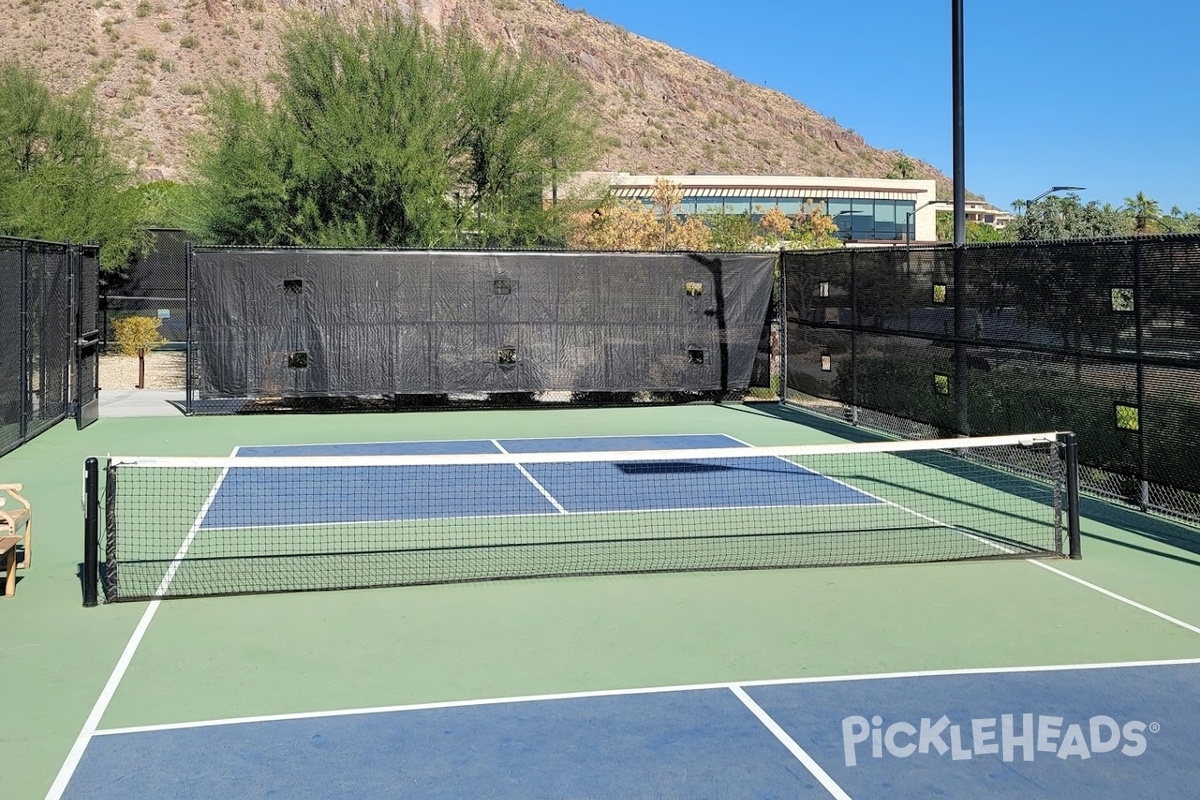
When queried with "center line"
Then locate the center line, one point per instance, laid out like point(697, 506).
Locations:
point(533, 480)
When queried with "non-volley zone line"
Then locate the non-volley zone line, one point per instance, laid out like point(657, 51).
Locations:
point(448, 486)
point(664, 689)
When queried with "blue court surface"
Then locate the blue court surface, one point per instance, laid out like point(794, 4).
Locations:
point(533, 489)
point(1088, 732)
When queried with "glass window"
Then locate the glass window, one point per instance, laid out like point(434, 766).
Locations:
point(738, 205)
point(835, 206)
point(885, 211)
point(885, 220)
point(790, 207)
point(862, 222)
point(710, 205)
point(906, 216)
point(840, 211)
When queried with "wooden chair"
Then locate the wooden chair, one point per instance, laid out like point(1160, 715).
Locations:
point(14, 520)
point(8, 549)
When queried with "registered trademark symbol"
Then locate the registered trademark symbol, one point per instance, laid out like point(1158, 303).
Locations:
point(1155, 727)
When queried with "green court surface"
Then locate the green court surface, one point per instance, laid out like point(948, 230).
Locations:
point(68, 669)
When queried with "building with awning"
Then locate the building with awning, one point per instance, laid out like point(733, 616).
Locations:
point(866, 210)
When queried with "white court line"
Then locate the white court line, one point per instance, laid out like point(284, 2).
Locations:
point(600, 693)
point(1115, 596)
point(787, 741)
point(887, 502)
point(92, 723)
point(545, 492)
point(1042, 565)
point(516, 439)
point(91, 726)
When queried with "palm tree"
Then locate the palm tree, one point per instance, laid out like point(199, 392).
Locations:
point(1142, 209)
point(904, 168)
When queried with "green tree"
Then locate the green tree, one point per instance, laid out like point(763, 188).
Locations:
point(1143, 210)
point(982, 232)
point(60, 178)
point(732, 232)
point(944, 226)
point(976, 231)
point(166, 204)
point(386, 134)
point(521, 129)
point(1065, 217)
point(903, 168)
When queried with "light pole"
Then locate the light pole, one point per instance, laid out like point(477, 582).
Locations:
point(1050, 191)
point(908, 216)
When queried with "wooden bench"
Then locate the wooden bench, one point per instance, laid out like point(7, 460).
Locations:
point(16, 520)
point(8, 549)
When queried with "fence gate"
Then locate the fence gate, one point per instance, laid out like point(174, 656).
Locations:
point(86, 274)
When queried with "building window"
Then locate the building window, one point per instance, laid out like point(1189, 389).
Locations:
point(738, 205)
point(859, 219)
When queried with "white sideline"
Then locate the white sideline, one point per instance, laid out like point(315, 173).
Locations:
point(75, 755)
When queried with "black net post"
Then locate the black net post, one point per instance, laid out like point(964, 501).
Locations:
point(1071, 455)
point(91, 531)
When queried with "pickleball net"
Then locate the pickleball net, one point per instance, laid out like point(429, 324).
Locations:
point(185, 527)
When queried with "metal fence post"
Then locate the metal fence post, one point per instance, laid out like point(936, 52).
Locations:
point(962, 425)
point(24, 383)
point(188, 334)
point(783, 328)
point(1142, 416)
point(853, 340)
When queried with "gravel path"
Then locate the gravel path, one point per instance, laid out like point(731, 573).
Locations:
point(164, 370)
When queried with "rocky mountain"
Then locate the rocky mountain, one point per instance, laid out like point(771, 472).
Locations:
point(148, 62)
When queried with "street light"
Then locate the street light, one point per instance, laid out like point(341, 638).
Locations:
point(1051, 191)
point(908, 215)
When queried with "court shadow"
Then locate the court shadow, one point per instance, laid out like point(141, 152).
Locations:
point(701, 467)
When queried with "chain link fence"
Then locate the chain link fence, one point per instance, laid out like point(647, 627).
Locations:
point(153, 285)
point(37, 337)
point(1101, 337)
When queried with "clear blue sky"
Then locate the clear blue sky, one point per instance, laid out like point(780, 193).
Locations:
point(1094, 93)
